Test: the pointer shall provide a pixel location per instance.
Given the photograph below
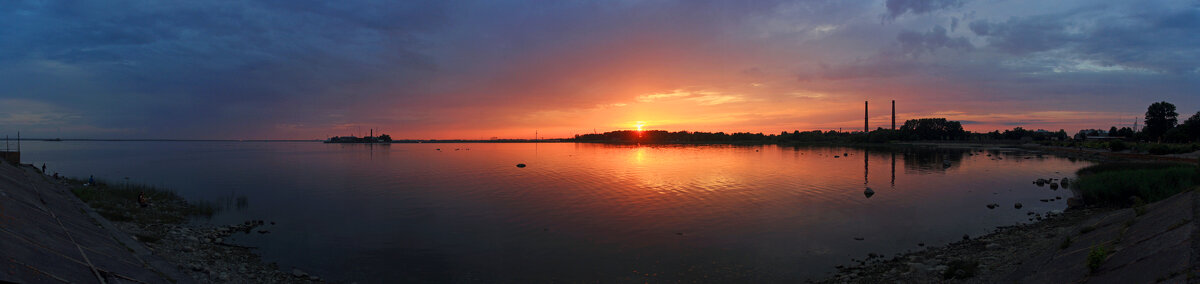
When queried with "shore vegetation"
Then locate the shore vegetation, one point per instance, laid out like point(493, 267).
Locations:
point(120, 202)
point(1127, 183)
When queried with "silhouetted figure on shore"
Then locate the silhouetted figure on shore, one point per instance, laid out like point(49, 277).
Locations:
point(43, 168)
point(91, 180)
point(142, 200)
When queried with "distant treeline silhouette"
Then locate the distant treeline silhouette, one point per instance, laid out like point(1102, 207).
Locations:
point(912, 130)
point(659, 136)
point(1161, 125)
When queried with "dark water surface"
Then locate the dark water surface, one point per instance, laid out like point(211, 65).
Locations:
point(579, 212)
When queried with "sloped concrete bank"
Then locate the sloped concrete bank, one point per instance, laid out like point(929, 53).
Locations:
point(47, 235)
point(1155, 243)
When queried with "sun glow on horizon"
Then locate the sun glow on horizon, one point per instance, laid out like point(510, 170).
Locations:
point(639, 125)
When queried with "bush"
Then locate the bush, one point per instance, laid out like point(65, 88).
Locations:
point(1158, 149)
point(1096, 257)
point(1117, 146)
point(1116, 183)
point(1167, 148)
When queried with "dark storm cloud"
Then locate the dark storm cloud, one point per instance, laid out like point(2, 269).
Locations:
point(880, 66)
point(191, 65)
point(1110, 58)
point(223, 69)
point(901, 58)
point(916, 43)
point(897, 8)
point(1157, 40)
point(239, 67)
point(1160, 40)
point(1027, 35)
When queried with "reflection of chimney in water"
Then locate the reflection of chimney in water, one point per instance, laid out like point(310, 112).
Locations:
point(893, 170)
point(866, 165)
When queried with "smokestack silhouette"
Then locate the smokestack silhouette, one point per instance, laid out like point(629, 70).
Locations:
point(866, 119)
point(893, 114)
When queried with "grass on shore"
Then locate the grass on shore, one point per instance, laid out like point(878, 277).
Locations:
point(119, 202)
point(1136, 147)
point(1118, 183)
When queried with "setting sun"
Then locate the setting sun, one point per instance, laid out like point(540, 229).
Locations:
point(639, 125)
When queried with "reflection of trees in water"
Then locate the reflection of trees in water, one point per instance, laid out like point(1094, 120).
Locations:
point(932, 160)
point(370, 150)
point(919, 160)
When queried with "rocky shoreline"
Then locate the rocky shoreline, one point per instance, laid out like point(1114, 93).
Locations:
point(1015, 253)
point(197, 250)
point(201, 252)
point(985, 259)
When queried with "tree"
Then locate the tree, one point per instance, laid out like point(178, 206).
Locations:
point(1160, 117)
point(933, 129)
point(1125, 132)
point(1112, 131)
point(1191, 127)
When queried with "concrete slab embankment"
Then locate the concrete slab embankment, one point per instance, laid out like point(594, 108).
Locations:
point(48, 236)
point(1157, 245)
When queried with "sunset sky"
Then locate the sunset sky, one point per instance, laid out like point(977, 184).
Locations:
point(479, 69)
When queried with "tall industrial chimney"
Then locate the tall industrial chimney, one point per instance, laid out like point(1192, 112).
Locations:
point(866, 117)
point(893, 114)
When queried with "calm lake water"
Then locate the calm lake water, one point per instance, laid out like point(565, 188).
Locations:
point(580, 212)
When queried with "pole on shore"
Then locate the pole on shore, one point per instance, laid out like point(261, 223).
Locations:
point(866, 117)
